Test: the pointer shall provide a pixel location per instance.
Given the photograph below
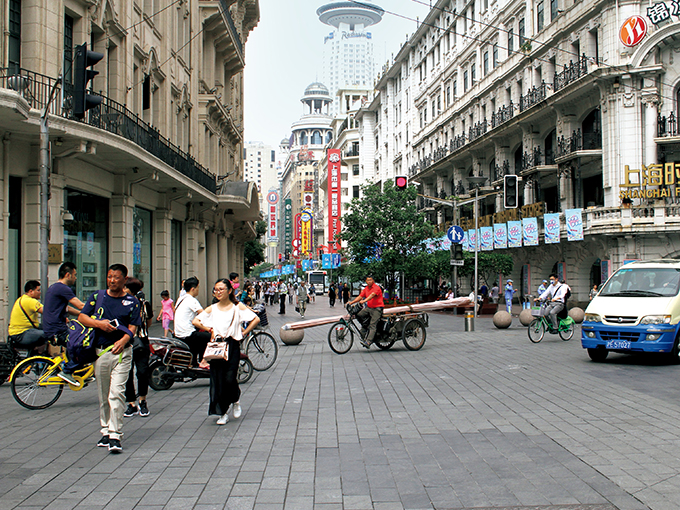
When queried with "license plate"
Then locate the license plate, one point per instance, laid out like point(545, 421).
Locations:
point(618, 344)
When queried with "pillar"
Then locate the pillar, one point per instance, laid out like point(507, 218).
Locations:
point(211, 249)
point(121, 214)
point(162, 254)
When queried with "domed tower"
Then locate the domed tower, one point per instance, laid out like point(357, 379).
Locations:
point(348, 49)
point(316, 99)
point(313, 131)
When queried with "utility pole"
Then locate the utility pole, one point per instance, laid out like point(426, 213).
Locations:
point(45, 188)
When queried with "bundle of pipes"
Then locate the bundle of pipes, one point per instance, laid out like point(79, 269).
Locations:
point(422, 307)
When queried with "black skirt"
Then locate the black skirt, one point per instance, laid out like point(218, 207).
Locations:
point(224, 388)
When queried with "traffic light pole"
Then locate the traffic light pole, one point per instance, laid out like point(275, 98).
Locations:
point(454, 271)
point(45, 189)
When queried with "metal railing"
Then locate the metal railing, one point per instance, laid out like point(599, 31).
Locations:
point(579, 141)
point(667, 126)
point(504, 114)
point(477, 130)
point(533, 97)
point(110, 116)
point(352, 153)
point(571, 73)
point(232, 26)
point(501, 171)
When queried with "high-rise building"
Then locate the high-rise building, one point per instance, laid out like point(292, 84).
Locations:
point(259, 163)
point(348, 49)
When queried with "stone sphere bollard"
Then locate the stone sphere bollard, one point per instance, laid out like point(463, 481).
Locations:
point(577, 314)
point(525, 317)
point(291, 336)
point(502, 319)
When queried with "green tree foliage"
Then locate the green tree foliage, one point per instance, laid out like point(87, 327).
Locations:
point(253, 250)
point(489, 265)
point(385, 234)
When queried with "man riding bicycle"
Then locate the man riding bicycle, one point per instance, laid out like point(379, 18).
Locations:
point(555, 296)
point(372, 295)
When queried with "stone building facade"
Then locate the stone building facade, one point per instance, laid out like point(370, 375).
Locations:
point(574, 97)
point(152, 177)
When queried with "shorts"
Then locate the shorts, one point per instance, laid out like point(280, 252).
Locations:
point(166, 322)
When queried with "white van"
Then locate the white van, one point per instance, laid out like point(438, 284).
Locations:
point(636, 310)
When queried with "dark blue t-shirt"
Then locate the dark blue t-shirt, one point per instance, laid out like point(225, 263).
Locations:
point(125, 309)
point(54, 309)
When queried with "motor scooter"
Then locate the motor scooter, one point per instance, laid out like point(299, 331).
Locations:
point(170, 362)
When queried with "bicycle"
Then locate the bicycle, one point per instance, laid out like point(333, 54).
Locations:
point(260, 347)
point(35, 384)
point(536, 330)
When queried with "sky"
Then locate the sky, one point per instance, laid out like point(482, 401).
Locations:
point(284, 54)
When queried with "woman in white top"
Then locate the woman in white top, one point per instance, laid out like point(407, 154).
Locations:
point(224, 320)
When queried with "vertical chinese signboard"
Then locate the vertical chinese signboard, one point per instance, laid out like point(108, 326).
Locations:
point(334, 200)
point(305, 233)
point(288, 224)
point(272, 220)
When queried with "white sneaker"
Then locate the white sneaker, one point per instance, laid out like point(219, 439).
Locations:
point(222, 420)
point(237, 410)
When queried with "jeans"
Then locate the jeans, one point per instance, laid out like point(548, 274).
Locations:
point(302, 304)
point(29, 339)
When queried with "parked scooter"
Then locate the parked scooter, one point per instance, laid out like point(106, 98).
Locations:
point(170, 362)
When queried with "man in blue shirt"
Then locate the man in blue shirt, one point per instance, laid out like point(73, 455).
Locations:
point(114, 348)
point(57, 300)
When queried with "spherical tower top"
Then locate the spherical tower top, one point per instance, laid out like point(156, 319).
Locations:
point(351, 13)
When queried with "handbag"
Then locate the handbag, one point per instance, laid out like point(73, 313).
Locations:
point(216, 350)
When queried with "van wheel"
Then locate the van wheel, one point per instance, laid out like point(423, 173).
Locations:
point(674, 356)
point(598, 355)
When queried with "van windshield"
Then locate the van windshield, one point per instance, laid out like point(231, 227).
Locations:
point(643, 282)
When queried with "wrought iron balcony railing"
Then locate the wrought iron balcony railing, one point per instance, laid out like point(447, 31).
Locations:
point(109, 116)
point(667, 126)
point(534, 96)
point(579, 141)
point(571, 73)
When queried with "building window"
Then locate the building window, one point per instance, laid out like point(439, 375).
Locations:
point(316, 138)
point(511, 41)
point(14, 36)
point(355, 170)
point(455, 89)
point(553, 10)
point(473, 74)
point(303, 138)
point(521, 32)
point(355, 191)
point(68, 49)
point(539, 16)
point(465, 81)
point(448, 95)
point(486, 63)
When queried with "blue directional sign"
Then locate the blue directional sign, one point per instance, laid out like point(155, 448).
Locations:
point(455, 234)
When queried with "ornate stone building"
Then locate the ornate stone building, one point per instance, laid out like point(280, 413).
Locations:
point(152, 177)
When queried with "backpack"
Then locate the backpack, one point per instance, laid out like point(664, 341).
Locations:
point(81, 339)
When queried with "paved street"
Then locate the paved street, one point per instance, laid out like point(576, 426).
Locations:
point(474, 420)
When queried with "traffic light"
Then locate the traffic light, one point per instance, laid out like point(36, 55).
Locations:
point(82, 101)
point(510, 192)
point(279, 257)
point(401, 181)
point(457, 252)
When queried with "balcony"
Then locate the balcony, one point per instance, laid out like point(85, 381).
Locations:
point(504, 114)
point(478, 130)
point(579, 144)
point(110, 116)
point(667, 127)
point(501, 171)
point(533, 97)
point(352, 153)
point(536, 161)
point(571, 73)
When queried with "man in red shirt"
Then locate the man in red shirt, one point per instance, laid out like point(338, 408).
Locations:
point(372, 295)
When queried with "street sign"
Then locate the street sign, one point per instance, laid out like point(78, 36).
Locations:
point(455, 262)
point(455, 234)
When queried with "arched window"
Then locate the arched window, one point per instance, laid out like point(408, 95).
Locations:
point(549, 146)
point(329, 136)
point(592, 131)
point(303, 138)
point(316, 138)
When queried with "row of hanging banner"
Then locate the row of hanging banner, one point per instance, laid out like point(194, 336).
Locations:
point(515, 234)
point(328, 261)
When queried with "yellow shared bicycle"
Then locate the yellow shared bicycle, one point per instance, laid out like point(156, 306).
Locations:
point(36, 385)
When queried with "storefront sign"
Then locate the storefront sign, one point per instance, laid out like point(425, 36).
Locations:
point(334, 200)
point(306, 232)
point(288, 224)
point(635, 181)
point(272, 200)
point(633, 30)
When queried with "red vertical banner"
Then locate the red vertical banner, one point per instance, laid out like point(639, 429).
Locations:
point(334, 200)
point(272, 212)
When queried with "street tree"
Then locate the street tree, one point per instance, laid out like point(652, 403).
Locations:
point(489, 265)
point(253, 250)
point(385, 234)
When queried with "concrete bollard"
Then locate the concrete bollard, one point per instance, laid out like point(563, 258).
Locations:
point(502, 319)
point(291, 336)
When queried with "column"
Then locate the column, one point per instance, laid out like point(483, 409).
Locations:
point(650, 100)
point(223, 255)
point(211, 270)
point(4, 235)
point(121, 214)
point(162, 253)
point(31, 231)
point(191, 249)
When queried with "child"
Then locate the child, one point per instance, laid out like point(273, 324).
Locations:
point(167, 312)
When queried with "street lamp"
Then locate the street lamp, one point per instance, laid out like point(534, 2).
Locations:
point(476, 181)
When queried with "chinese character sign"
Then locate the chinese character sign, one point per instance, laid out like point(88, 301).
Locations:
point(530, 231)
point(272, 210)
point(288, 223)
point(574, 224)
point(334, 199)
point(500, 236)
point(486, 238)
point(514, 234)
point(552, 228)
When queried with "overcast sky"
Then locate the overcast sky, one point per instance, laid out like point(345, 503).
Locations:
point(284, 54)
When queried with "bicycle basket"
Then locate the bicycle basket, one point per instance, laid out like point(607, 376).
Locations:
point(262, 314)
point(354, 309)
point(536, 311)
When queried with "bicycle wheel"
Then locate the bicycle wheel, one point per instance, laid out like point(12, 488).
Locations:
point(262, 350)
point(568, 332)
point(414, 334)
point(384, 342)
point(340, 337)
point(536, 330)
point(245, 371)
point(33, 384)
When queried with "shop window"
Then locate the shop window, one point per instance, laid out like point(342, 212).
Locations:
point(141, 247)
